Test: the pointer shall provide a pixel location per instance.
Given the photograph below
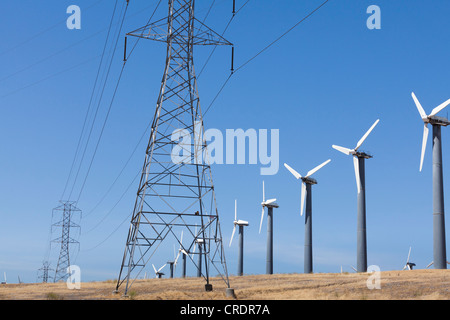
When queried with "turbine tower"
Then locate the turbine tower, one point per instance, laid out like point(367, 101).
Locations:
point(439, 250)
point(67, 209)
point(358, 162)
point(241, 224)
point(307, 183)
point(175, 192)
point(270, 204)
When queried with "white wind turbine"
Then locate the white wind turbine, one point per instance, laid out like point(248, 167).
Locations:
point(158, 272)
point(241, 224)
point(307, 182)
point(270, 204)
point(409, 265)
point(358, 163)
point(439, 250)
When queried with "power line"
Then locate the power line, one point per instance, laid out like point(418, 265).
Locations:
point(90, 102)
point(42, 32)
point(261, 51)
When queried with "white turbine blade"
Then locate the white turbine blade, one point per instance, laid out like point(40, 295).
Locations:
point(181, 240)
point(235, 210)
point(358, 178)
point(232, 235)
point(317, 168)
point(154, 268)
point(424, 145)
point(176, 259)
point(162, 267)
point(354, 268)
point(409, 253)
point(439, 108)
point(360, 142)
point(302, 198)
point(262, 218)
point(430, 264)
point(264, 195)
point(346, 151)
point(295, 173)
point(404, 267)
point(423, 115)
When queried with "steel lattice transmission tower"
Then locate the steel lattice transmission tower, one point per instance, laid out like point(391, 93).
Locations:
point(44, 271)
point(66, 210)
point(176, 194)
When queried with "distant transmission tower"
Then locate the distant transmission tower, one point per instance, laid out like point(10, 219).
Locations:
point(44, 272)
point(174, 195)
point(66, 210)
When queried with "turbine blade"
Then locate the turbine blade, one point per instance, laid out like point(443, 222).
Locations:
point(439, 108)
point(346, 151)
point(235, 210)
point(358, 178)
point(262, 218)
point(295, 173)
point(409, 253)
point(154, 268)
point(302, 198)
point(162, 267)
point(423, 115)
point(424, 145)
point(317, 168)
point(264, 196)
point(360, 142)
point(232, 235)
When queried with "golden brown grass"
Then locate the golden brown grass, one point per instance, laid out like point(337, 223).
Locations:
point(395, 285)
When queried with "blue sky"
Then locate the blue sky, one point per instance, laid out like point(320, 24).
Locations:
point(324, 83)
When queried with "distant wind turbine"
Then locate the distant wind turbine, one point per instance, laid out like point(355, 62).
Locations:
point(241, 224)
point(439, 250)
point(307, 182)
point(358, 162)
point(270, 204)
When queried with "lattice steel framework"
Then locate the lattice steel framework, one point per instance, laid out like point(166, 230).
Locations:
point(176, 195)
point(67, 210)
point(44, 272)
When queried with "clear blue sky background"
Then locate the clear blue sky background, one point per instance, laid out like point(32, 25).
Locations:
point(324, 83)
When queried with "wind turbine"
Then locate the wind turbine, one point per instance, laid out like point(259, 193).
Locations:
point(270, 204)
point(198, 242)
point(409, 265)
point(307, 182)
point(158, 272)
point(173, 263)
point(439, 250)
point(183, 257)
point(241, 224)
point(358, 163)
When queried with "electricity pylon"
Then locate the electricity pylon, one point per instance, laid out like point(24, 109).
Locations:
point(68, 209)
point(176, 192)
point(44, 272)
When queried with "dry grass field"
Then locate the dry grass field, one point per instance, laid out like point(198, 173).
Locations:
point(395, 285)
